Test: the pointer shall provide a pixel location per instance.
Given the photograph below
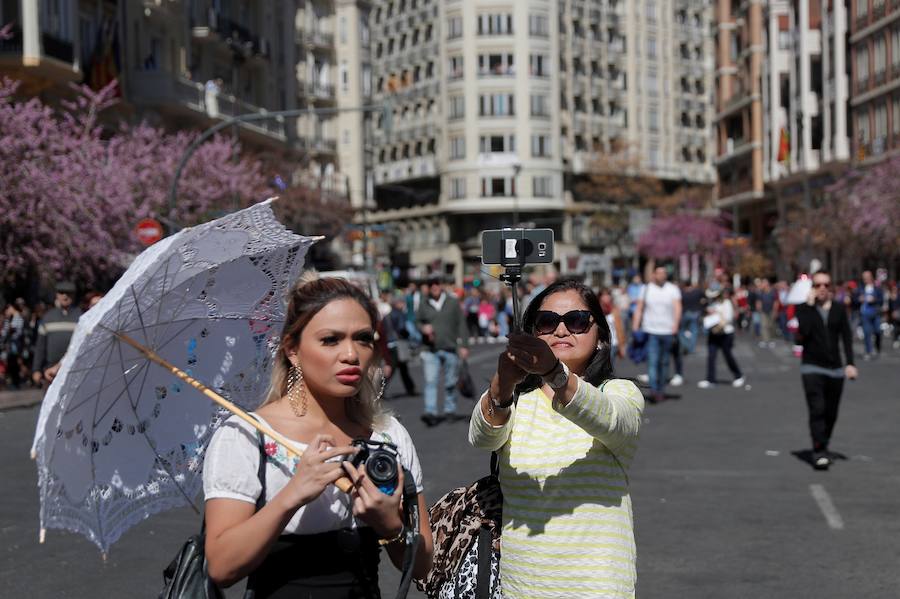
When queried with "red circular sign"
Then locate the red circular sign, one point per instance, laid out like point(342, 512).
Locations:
point(148, 231)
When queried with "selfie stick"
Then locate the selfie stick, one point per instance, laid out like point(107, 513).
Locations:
point(512, 276)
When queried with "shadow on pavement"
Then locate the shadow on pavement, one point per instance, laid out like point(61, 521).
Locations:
point(806, 455)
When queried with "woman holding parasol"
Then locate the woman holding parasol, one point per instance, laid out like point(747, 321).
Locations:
point(306, 537)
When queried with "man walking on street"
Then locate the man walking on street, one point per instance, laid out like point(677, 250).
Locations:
point(54, 333)
point(444, 343)
point(871, 300)
point(692, 301)
point(767, 308)
point(658, 313)
point(822, 325)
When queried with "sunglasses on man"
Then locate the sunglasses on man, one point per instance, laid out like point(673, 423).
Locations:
point(577, 322)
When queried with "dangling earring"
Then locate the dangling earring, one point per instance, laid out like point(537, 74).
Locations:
point(383, 385)
point(296, 396)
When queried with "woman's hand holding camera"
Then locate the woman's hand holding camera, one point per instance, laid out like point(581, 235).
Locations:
point(377, 509)
point(315, 472)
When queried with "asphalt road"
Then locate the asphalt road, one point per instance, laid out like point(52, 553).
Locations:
point(723, 506)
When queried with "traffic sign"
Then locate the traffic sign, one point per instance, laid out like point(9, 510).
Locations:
point(148, 231)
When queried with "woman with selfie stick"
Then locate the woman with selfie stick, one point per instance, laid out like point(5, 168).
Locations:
point(565, 431)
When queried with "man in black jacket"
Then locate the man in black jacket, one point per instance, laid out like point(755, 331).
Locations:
point(822, 325)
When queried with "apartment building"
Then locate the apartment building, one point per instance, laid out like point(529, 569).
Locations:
point(875, 68)
point(783, 97)
point(806, 144)
point(637, 76)
point(188, 64)
point(740, 53)
point(499, 106)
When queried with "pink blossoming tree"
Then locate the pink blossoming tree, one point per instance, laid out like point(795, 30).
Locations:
point(866, 203)
point(72, 190)
point(681, 234)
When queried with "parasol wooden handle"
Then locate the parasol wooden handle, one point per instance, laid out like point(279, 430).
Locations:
point(344, 484)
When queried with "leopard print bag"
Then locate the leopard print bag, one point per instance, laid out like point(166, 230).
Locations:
point(465, 526)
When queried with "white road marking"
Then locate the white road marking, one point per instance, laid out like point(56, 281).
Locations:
point(825, 504)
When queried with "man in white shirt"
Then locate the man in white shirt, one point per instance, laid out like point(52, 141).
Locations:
point(658, 314)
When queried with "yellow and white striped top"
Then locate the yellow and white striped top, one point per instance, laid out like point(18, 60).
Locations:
point(567, 521)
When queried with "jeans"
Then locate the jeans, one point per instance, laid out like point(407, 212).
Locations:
point(823, 396)
point(434, 362)
point(503, 324)
point(677, 358)
point(715, 342)
point(871, 324)
point(658, 348)
point(415, 337)
point(767, 325)
point(690, 329)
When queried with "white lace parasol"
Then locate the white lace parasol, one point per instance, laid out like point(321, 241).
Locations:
point(120, 438)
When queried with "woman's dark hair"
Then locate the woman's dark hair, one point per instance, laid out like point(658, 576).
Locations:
point(599, 367)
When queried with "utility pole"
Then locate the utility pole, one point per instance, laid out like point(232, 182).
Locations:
point(516, 169)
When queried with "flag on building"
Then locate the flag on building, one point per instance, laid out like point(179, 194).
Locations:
point(784, 146)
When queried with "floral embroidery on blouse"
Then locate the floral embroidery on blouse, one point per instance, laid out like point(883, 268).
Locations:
point(277, 453)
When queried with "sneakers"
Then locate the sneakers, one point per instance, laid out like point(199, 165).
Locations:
point(644, 378)
point(704, 384)
point(821, 461)
point(737, 383)
point(676, 381)
point(656, 398)
point(431, 420)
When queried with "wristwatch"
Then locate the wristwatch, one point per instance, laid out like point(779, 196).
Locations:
point(558, 377)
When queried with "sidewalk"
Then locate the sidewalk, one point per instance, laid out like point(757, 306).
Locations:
point(20, 399)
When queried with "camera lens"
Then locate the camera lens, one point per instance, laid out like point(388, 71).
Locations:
point(382, 468)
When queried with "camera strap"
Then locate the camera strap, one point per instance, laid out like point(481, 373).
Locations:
point(411, 544)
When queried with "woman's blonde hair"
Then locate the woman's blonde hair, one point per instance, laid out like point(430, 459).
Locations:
point(307, 297)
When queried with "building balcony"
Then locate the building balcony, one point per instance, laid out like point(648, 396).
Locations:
point(735, 148)
point(319, 146)
point(508, 71)
point(320, 40)
point(179, 97)
point(731, 192)
point(214, 27)
point(54, 59)
point(321, 92)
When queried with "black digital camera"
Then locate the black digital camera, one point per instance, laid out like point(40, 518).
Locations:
point(380, 460)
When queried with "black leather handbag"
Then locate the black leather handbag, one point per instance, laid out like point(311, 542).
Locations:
point(187, 577)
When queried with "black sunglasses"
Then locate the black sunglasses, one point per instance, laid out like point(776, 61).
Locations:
point(577, 321)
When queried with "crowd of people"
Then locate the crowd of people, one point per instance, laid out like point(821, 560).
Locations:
point(758, 307)
point(33, 339)
point(658, 323)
